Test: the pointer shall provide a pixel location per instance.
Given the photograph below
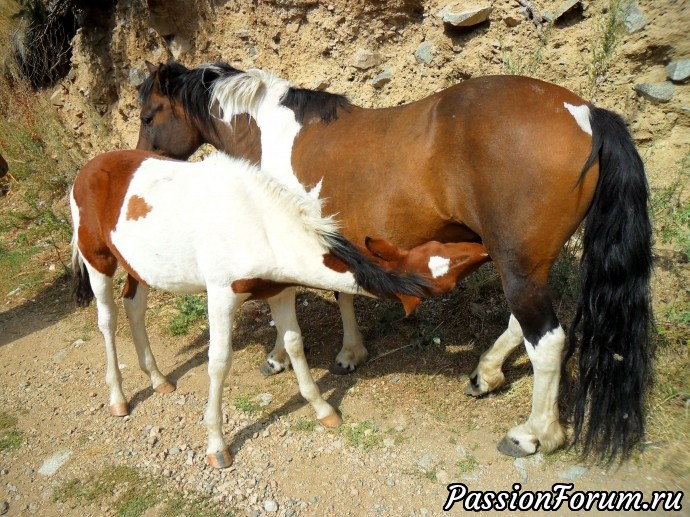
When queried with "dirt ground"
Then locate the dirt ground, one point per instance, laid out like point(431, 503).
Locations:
point(408, 429)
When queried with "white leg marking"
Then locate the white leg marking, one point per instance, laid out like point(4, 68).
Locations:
point(581, 114)
point(222, 304)
point(438, 266)
point(102, 287)
point(353, 353)
point(286, 323)
point(136, 312)
point(278, 358)
point(488, 375)
point(542, 427)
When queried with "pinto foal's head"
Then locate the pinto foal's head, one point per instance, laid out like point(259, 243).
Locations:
point(443, 265)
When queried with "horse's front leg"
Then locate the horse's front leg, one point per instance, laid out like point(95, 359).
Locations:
point(222, 304)
point(102, 286)
point(278, 359)
point(286, 324)
point(353, 353)
point(135, 308)
point(488, 375)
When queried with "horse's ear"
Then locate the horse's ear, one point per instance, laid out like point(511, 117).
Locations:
point(383, 249)
point(151, 67)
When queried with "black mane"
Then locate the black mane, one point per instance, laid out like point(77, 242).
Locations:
point(307, 103)
point(190, 87)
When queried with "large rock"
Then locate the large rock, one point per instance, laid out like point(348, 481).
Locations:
point(678, 71)
point(656, 92)
point(634, 18)
point(382, 79)
point(364, 59)
point(460, 16)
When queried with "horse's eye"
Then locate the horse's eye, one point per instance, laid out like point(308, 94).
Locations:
point(146, 119)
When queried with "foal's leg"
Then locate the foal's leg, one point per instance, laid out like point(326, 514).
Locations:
point(488, 375)
point(545, 342)
point(353, 352)
point(135, 307)
point(222, 304)
point(102, 286)
point(286, 323)
point(278, 359)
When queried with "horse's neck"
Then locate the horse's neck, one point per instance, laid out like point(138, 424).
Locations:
point(241, 139)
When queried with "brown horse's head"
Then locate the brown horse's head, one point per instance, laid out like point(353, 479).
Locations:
point(444, 265)
point(165, 126)
point(3, 166)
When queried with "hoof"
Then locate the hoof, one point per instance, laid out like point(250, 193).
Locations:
point(331, 421)
point(473, 391)
point(338, 369)
point(510, 447)
point(220, 460)
point(267, 369)
point(166, 387)
point(119, 409)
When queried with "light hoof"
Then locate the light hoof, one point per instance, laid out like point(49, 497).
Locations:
point(331, 421)
point(220, 460)
point(511, 447)
point(166, 387)
point(339, 369)
point(473, 391)
point(119, 409)
point(267, 369)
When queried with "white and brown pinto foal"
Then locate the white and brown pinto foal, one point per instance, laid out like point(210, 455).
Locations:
point(220, 225)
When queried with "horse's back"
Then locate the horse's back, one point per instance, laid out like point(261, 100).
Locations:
point(474, 161)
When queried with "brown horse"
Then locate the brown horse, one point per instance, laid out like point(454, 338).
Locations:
point(3, 166)
point(512, 162)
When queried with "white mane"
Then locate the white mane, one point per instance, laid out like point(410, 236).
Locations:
point(246, 92)
point(306, 207)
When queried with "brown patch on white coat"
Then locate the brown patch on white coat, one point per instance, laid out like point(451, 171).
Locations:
point(458, 261)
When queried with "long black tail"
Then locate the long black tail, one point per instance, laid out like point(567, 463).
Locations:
point(370, 276)
point(81, 286)
point(614, 307)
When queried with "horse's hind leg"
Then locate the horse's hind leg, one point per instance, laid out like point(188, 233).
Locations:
point(134, 300)
point(488, 375)
point(531, 305)
point(286, 323)
point(278, 359)
point(102, 286)
point(353, 352)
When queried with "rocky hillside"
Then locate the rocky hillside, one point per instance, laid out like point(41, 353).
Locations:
point(386, 53)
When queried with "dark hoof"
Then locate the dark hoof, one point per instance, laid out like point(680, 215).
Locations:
point(338, 369)
point(267, 369)
point(510, 448)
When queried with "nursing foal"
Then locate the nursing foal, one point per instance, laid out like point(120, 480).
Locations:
point(222, 226)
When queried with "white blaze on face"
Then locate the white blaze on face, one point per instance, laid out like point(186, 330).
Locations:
point(438, 266)
point(581, 115)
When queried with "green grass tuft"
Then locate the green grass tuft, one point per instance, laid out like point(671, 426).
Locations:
point(364, 435)
point(191, 310)
point(10, 437)
point(246, 404)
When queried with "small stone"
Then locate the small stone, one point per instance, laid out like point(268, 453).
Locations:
point(364, 59)
point(456, 16)
point(53, 463)
point(388, 442)
point(137, 76)
point(656, 92)
point(442, 477)
point(390, 482)
point(565, 6)
point(512, 21)
point(79, 342)
point(57, 99)
point(264, 399)
point(178, 46)
point(678, 71)
point(425, 53)
point(382, 79)
point(573, 473)
point(425, 461)
point(270, 506)
point(521, 467)
point(634, 18)
point(173, 451)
